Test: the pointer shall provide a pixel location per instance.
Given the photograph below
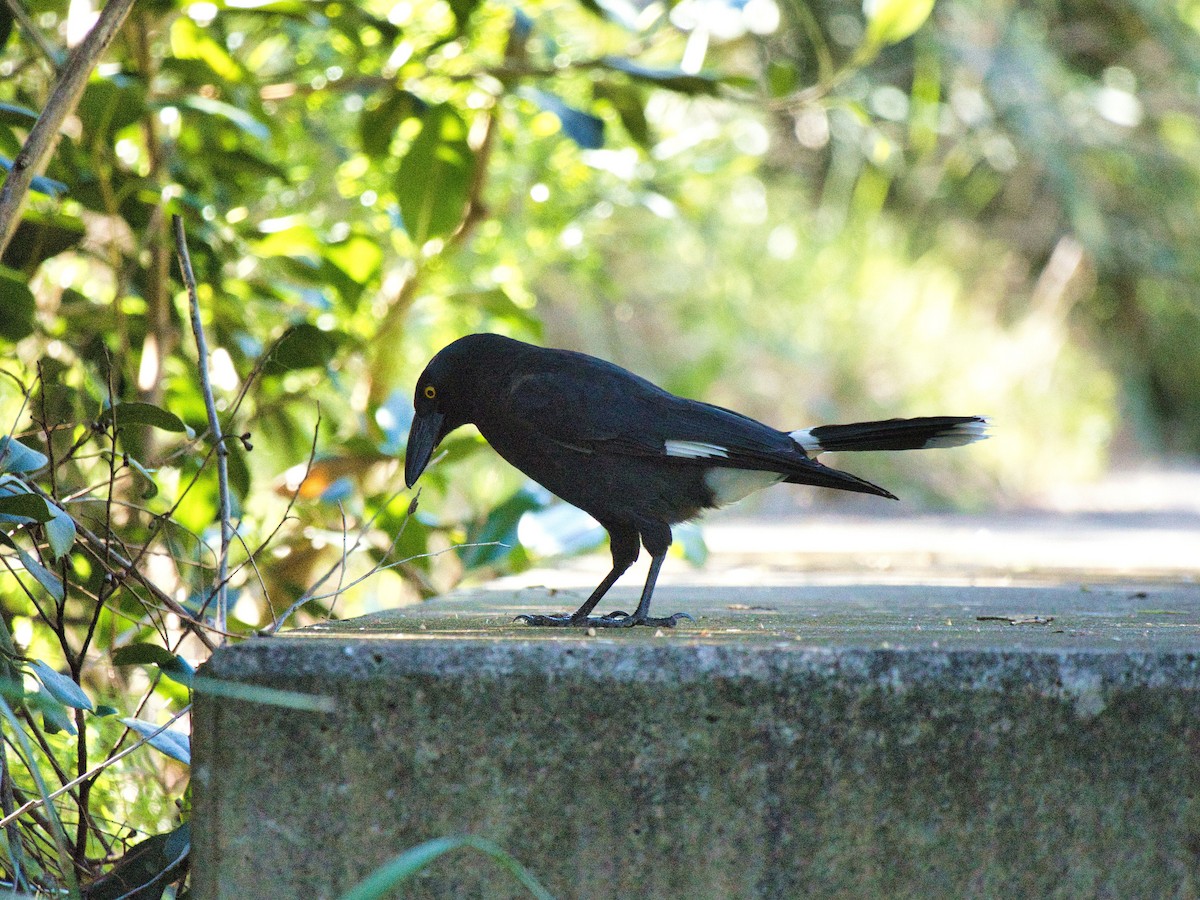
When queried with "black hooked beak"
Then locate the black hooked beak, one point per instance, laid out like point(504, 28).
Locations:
point(423, 438)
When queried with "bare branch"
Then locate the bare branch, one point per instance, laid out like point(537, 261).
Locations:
point(214, 425)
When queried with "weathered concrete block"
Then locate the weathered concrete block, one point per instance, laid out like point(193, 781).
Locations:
point(843, 742)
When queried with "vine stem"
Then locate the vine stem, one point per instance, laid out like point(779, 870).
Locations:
point(214, 426)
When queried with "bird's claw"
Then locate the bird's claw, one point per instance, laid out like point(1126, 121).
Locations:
point(550, 621)
point(616, 619)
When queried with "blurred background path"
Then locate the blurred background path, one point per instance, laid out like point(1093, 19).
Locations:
point(1131, 526)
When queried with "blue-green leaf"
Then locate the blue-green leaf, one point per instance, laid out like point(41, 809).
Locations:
point(16, 457)
point(174, 744)
point(19, 504)
point(174, 667)
point(61, 687)
point(47, 579)
point(257, 693)
point(11, 114)
point(60, 531)
point(671, 79)
point(55, 717)
point(583, 128)
point(39, 183)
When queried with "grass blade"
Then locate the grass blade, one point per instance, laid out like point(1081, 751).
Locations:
point(384, 880)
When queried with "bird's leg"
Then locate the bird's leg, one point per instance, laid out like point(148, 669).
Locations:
point(623, 542)
point(657, 538)
point(641, 616)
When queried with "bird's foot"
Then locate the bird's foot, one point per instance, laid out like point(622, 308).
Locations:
point(615, 619)
point(567, 621)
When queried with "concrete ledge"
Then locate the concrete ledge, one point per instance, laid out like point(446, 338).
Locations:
point(877, 742)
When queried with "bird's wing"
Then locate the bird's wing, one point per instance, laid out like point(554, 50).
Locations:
point(614, 411)
point(596, 407)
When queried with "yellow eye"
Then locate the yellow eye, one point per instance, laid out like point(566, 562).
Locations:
point(430, 392)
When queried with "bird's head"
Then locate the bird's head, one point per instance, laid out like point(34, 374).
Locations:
point(447, 394)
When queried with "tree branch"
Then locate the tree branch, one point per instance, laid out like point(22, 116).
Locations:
point(63, 100)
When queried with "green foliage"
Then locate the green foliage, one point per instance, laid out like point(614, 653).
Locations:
point(806, 211)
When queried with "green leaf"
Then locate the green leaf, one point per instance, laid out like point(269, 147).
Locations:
point(18, 308)
point(136, 413)
point(892, 21)
point(239, 471)
point(302, 346)
point(174, 667)
point(239, 118)
point(47, 579)
point(377, 125)
point(145, 869)
point(142, 654)
point(462, 10)
point(384, 880)
point(434, 179)
point(39, 236)
point(174, 744)
point(61, 687)
point(6, 24)
point(103, 710)
point(151, 486)
point(190, 41)
point(627, 101)
point(110, 104)
point(671, 79)
point(16, 457)
point(18, 505)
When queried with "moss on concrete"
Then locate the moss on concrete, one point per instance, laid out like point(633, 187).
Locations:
point(703, 763)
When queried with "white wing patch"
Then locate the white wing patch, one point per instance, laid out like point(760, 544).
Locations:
point(807, 442)
point(695, 450)
point(731, 485)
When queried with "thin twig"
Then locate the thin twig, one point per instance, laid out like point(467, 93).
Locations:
point(403, 562)
point(214, 425)
point(100, 767)
point(54, 57)
point(102, 551)
point(64, 98)
point(310, 594)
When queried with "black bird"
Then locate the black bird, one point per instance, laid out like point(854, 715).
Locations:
point(634, 456)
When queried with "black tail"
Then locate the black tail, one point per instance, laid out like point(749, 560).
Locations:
point(893, 434)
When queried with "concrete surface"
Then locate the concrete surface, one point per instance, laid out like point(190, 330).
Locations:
point(811, 739)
